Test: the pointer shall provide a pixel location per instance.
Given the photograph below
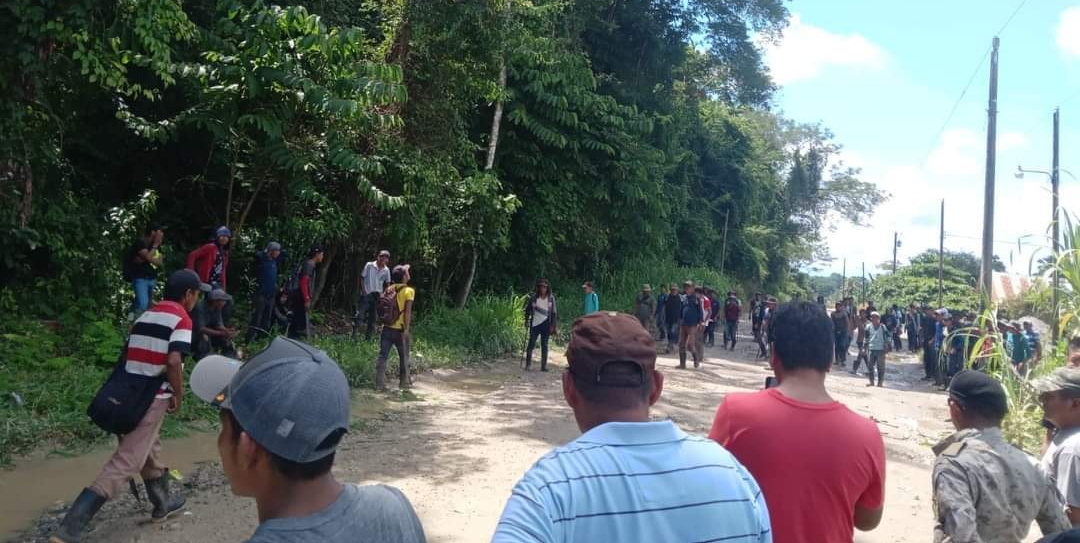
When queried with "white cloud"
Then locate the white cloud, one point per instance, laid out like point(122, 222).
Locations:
point(1011, 140)
point(958, 154)
point(804, 51)
point(1068, 32)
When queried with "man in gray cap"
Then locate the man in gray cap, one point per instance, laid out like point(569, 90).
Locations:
point(209, 333)
point(984, 488)
point(1059, 394)
point(283, 414)
point(267, 267)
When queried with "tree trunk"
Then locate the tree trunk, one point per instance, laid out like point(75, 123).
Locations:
point(320, 279)
point(25, 205)
point(493, 143)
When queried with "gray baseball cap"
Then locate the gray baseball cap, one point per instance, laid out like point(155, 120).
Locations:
point(289, 398)
point(218, 295)
point(1061, 379)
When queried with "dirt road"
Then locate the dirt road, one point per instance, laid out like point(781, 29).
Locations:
point(457, 451)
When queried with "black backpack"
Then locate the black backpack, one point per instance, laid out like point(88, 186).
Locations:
point(124, 399)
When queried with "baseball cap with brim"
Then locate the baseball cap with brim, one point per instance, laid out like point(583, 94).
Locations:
point(603, 340)
point(183, 280)
point(218, 295)
point(291, 398)
point(875, 314)
point(1060, 379)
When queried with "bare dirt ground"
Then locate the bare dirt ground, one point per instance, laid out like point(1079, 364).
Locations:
point(457, 451)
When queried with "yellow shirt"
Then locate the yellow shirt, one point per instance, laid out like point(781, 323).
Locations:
point(405, 294)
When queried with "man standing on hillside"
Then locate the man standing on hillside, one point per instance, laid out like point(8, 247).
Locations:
point(211, 261)
point(628, 479)
point(301, 288)
point(592, 300)
point(691, 322)
point(158, 342)
point(267, 267)
point(373, 279)
point(141, 264)
point(984, 488)
point(789, 437)
point(396, 312)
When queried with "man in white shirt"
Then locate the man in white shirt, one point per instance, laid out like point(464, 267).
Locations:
point(373, 279)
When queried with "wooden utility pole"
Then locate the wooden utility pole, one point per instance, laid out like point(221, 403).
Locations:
point(864, 282)
point(843, 281)
point(1055, 181)
point(895, 244)
point(941, 260)
point(723, 245)
point(987, 276)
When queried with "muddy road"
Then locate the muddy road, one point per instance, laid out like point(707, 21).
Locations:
point(459, 446)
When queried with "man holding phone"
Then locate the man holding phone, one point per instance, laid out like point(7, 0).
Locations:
point(798, 414)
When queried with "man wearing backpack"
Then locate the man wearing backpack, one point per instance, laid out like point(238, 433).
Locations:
point(301, 286)
point(395, 312)
point(158, 342)
point(732, 310)
point(691, 323)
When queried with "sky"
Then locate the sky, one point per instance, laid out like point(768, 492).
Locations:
point(884, 77)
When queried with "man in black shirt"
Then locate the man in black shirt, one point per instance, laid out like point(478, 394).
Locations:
point(141, 263)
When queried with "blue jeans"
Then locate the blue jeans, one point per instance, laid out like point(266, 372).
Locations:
point(144, 288)
point(730, 329)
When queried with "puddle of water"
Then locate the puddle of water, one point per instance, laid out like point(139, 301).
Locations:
point(36, 485)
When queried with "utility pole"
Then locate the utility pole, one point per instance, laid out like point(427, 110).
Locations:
point(895, 244)
point(843, 281)
point(987, 277)
point(941, 260)
point(1055, 181)
point(723, 246)
point(864, 282)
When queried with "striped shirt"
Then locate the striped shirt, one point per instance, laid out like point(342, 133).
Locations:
point(630, 482)
point(165, 328)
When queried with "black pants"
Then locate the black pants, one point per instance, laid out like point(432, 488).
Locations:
point(840, 341)
point(543, 331)
point(897, 344)
point(912, 339)
point(205, 345)
point(710, 333)
point(262, 316)
point(930, 362)
point(759, 337)
point(392, 337)
point(298, 325)
point(366, 309)
point(876, 362)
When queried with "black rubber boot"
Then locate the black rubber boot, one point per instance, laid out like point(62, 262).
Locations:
point(157, 491)
point(682, 361)
point(84, 508)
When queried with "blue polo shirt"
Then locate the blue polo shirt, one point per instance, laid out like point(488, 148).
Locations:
point(630, 482)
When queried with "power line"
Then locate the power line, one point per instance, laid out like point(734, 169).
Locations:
point(1009, 20)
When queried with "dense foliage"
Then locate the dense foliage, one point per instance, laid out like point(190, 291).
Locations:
point(486, 141)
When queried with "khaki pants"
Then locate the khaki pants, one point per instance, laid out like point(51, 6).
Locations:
point(690, 335)
point(138, 453)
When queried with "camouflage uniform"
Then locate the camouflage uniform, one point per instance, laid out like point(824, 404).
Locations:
point(987, 491)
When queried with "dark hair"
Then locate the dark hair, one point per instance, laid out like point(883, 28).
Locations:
point(542, 283)
point(1074, 343)
point(618, 397)
point(802, 336)
point(175, 294)
point(983, 410)
point(294, 471)
point(398, 274)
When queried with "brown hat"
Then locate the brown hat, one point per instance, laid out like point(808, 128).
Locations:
point(607, 337)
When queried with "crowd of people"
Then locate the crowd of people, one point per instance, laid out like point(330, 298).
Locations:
point(767, 471)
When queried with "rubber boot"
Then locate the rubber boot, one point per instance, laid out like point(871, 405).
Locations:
point(380, 381)
point(543, 363)
point(528, 361)
point(84, 508)
point(682, 361)
point(157, 491)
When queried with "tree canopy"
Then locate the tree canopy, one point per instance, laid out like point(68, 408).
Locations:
point(495, 139)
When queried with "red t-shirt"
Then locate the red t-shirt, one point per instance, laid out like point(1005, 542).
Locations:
point(813, 462)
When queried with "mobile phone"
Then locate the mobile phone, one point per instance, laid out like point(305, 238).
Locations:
point(771, 381)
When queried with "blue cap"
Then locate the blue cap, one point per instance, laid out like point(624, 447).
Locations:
point(224, 231)
point(290, 398)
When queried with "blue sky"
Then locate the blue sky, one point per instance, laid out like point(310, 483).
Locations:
point(883, 76)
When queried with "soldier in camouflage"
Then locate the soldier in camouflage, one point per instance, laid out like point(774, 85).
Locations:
point(986, 490)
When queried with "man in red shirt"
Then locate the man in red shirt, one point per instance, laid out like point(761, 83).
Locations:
point(789, 438)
